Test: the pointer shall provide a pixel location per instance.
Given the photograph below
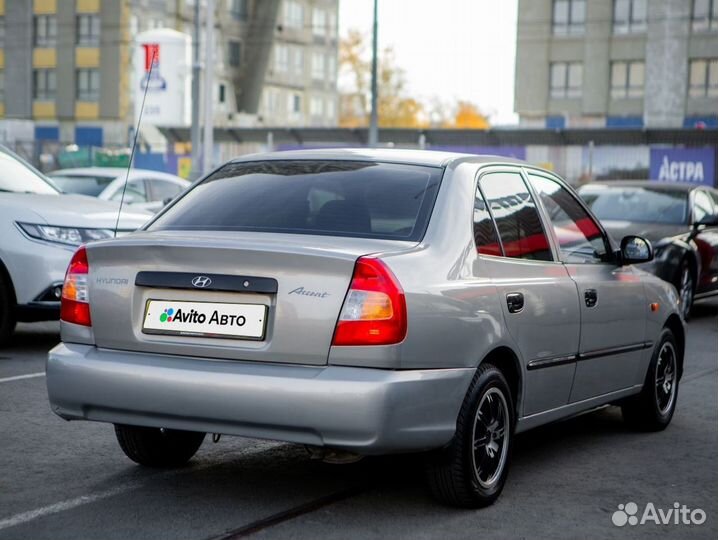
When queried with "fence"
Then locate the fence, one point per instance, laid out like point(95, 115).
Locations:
point(579, 155)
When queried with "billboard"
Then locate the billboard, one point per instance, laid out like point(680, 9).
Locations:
point(163, 70)
point(689, 165)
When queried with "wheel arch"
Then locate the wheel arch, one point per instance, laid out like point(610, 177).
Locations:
point(675, 325)
point(7, 279)
point(508, 363)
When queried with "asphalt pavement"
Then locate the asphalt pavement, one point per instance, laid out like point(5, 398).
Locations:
point(70, 479)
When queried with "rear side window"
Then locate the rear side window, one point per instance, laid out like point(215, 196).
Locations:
point(338, 198)
point(517, 219)
point(162, 189)
point(485, 236)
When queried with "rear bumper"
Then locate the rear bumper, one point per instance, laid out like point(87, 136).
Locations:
point(364, 410)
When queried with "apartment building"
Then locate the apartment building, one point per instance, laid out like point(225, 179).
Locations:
point(66, 65)
point(617, 63)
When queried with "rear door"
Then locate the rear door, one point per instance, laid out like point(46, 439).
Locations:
point(612, 299)
point(537, 295)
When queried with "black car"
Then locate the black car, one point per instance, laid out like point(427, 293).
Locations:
point(680, 220)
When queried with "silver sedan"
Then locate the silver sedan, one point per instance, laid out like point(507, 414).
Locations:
point(366, 302)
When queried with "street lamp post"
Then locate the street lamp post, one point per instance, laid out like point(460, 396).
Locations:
point(374, 117)
point(196, 70)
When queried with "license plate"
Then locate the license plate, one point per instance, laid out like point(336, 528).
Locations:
point(208, 319)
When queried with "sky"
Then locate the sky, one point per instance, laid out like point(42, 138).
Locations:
point(452, 49)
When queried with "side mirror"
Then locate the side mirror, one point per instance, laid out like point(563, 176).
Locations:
point(635, 249)
point(167, 200)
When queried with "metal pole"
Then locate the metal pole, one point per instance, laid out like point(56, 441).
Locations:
point(196, 70)
point(208, 144)
point(374, 118)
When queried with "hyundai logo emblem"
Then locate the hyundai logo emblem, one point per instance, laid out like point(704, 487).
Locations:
point(201, 282)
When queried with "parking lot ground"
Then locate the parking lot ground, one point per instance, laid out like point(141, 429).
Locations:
point(70, 480)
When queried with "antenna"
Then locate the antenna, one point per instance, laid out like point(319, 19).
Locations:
point(134, 142)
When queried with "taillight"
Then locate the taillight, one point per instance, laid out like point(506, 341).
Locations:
point(374, 310)
point(74, 304)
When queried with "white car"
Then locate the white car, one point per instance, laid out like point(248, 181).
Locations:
point(146, 189)
point(40, 228)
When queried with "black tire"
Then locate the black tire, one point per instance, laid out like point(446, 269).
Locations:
point(653, 408)
point(451, 473)
point(685, 283)
point(8, 318)
point(155, 447)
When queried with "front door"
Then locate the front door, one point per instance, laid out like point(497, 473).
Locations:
point(611, 297)
point(538, 297)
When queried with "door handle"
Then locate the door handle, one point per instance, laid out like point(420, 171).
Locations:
point(591, 297)
point(515, 302)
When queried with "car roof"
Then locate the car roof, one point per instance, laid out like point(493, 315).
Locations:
point(431, 158)
point(654, 186)
point(114, 172)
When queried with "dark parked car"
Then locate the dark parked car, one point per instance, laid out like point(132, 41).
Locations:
point(680, 220)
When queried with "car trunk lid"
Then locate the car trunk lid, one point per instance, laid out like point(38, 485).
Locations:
point(293, 285)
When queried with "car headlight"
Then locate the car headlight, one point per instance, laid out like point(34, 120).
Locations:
point(71, 236)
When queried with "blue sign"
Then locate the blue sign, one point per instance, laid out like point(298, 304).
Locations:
point(688, 165)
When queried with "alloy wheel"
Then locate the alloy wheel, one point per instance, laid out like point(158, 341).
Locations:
point(666, 378)
point(490, 437)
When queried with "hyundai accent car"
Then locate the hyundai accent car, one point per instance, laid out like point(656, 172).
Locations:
point(681, 221)
point(366, 302)
point(40, 228)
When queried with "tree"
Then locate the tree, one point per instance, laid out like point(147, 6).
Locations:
point(353, 108)
point(468, 116)
point(395, 107)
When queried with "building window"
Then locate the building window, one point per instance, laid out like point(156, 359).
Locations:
point(703, 80)
point(569, 17)
point(316, 107)
point(88, 30)
point(88, 84)
point(629, 16)
point(2, 86)
point(293, 14)
point(331, 67)
point(627, 79)
point(298, 60)
point(2, 31)
point(318, 70)
point(295, 103)
point(281, 58)
point(271, 100)
point(44, 30)
point(235, 53)
point(566, 79)
point(44, 84)
point(705, 15)
point(221, 93)
point(319, 22)
point(332, 24)
point(238, 9)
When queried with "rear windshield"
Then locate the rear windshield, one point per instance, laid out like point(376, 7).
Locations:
point(637, 204)
point(338, 198)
